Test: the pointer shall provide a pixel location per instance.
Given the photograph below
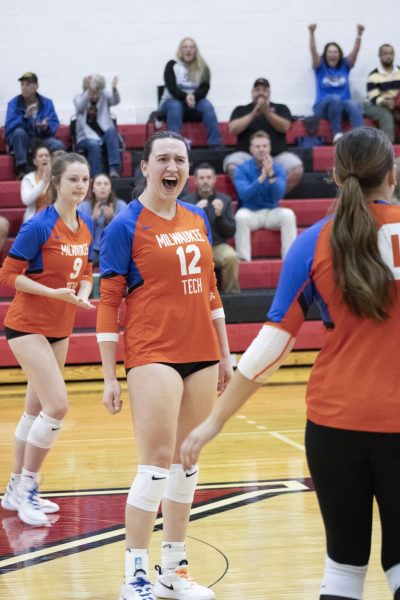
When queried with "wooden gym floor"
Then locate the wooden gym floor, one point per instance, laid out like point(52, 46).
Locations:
point(256, 532)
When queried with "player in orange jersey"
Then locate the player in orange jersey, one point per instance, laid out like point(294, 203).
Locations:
point(349, 264)
point(176, 356)
point(49, 265)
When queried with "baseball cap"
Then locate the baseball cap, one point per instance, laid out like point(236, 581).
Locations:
point(29, 76)
point(261, 81)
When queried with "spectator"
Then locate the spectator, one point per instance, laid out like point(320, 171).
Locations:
point(218, 208)
point(4, 229)
point(332, 81)
point(263, 115)
point(35, 184)
point(95, 129)
point(30, 117)
point(396, 191)
point(102, 207)
point(260, 184)
point(383, 87)
point(187, 82)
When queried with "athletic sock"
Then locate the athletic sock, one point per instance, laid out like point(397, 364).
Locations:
point(172, 554)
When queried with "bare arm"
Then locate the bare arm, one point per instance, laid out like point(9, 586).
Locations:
point(112, 389)
point(279, 123)
point(239, 390)
point(225, 367)
point(316, 59)
point(352, 57)
point(237, 126)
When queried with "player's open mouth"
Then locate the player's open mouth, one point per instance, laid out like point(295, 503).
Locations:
point(170, 182)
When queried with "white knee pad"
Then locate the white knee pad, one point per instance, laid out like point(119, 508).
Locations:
point(182, 484)
point(148, 487)
point(44, 431)
point(393, 577)
point(343, 580)
point(24, 425)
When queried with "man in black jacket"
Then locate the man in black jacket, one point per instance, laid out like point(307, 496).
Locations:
point(218, 209)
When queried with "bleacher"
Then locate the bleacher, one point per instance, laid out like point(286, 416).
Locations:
point(310, 200)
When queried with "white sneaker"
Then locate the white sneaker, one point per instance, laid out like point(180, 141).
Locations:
point(138, 589)
point(11, 500)
point(337, 137)
point(30, 510)
point(179, 584)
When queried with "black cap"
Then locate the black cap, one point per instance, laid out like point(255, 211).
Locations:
point(29, 76)
point(261, 81)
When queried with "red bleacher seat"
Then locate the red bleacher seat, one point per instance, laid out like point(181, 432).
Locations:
point(15, 216)
point(63, 134)
point(10, 194)
point(197, 133)
point(309, 211)
point(134, 135)
point(6, 167)
point(262, 273)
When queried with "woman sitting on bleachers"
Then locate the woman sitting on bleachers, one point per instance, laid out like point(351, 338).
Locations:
point(332, 71)
point(187, 82)
point(103, 206)
point(34, 185)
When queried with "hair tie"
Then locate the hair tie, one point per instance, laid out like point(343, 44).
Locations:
point(352, 175)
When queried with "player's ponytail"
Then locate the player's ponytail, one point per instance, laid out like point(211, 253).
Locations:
point(363, 158)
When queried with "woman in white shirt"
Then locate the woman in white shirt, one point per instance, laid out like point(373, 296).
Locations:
point(34, 185)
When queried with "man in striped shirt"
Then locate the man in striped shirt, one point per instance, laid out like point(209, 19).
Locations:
point(383, 92)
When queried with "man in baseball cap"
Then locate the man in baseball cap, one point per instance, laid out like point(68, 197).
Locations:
point(29, 76)
point(274, 119)
point(30, 117)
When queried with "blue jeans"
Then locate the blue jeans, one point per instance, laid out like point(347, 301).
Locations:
point(333, 108)
point(94, 151)
point(176, 112)
point(20, 142)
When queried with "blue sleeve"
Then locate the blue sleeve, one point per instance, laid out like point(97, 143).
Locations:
point(14, 118)
point(31, 237)
point(49, 113)
point(116, 247)
point(295, 289)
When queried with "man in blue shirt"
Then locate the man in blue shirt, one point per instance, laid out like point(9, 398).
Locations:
point(30, 117)
point(260, 184)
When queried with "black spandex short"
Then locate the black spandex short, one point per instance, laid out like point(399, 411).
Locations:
point(350, 469)
point(13, 333)
point(186, 369)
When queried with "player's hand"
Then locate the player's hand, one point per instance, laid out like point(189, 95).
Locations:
point(112, 396)
point(225, 374)
point(312, 27)
point(192, 445)
point(114, 82)
point(360, 29)
point(85, 302)
point(65, 294)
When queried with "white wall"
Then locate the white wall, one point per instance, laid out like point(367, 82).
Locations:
point(240, 40)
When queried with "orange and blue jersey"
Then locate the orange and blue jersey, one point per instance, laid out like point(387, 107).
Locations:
point(47, 251)
point(167, 268)
point(355, 381)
